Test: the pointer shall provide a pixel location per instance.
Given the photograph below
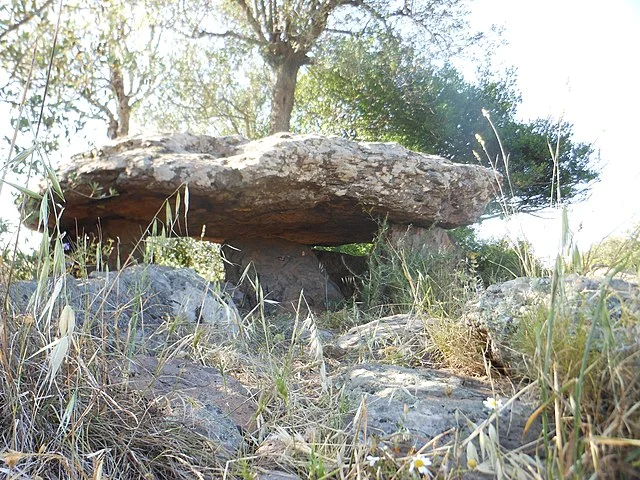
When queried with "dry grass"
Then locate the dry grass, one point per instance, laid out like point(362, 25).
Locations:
point(63, 416)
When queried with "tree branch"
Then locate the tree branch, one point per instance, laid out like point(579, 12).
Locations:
point(27, 18)
point(230, 34)
point(340, 31)
point(253, 22)
point(372, 11)
point(102, 108)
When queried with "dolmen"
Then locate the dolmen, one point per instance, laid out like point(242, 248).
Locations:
point(268, 201)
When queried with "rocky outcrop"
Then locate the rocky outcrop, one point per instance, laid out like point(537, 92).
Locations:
point(134, 299)
point(387, 408)
point(399, 329)
point(408, 407)
point(499, 310)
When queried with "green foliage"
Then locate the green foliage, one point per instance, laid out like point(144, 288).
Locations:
point(288, 36)
point(355, 249)
point(204, 257)
point(386, 91)
point(317, 469)
point(620, 252)
point(400, 281)
point(106, 60)
point(531, 167)
point(117, 59)
point(495, 261)
point(23, 265)
point(86, 255)
point(229, 102)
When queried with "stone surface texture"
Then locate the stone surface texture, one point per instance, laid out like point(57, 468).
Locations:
point(411, 406)
point(284, 271)
point(399, 329)
point(307, 189)
point(139, 297)
point(201, 398)
point(407, 407)
point(499, 310)
point(420, 240)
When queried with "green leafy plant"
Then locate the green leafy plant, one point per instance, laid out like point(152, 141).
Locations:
point(184, 252)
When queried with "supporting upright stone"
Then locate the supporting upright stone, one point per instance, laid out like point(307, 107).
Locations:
point(283, 270)
point(418, 239)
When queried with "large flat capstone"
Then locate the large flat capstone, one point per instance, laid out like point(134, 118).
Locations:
point(307, 189)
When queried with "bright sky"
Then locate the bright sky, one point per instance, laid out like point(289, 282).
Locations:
point(578, 59)
point(575, 59)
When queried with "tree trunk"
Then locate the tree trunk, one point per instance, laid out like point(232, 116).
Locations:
point(123, 109)
point(283, 94)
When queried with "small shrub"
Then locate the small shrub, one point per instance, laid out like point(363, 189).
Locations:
point(453, 345)
point(23, 266)
point(204, 257)
point(496, 261)
point(400, 281)
point(87, 254)
point(567, 344)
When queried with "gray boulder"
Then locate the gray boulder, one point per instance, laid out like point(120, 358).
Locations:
point(215, 406)
point(139, 297)
point(499, 310)
point(131, 304)
point(399, 329)
point(407, 407)
point(411, 406)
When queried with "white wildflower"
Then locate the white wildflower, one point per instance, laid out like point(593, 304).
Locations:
point(371, 460)
point(492, 403)
point(420, 465)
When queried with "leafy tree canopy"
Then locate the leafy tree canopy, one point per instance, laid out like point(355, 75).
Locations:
point(210, 91)
point(94, 59)
point(385, 91)
point(286, 34)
